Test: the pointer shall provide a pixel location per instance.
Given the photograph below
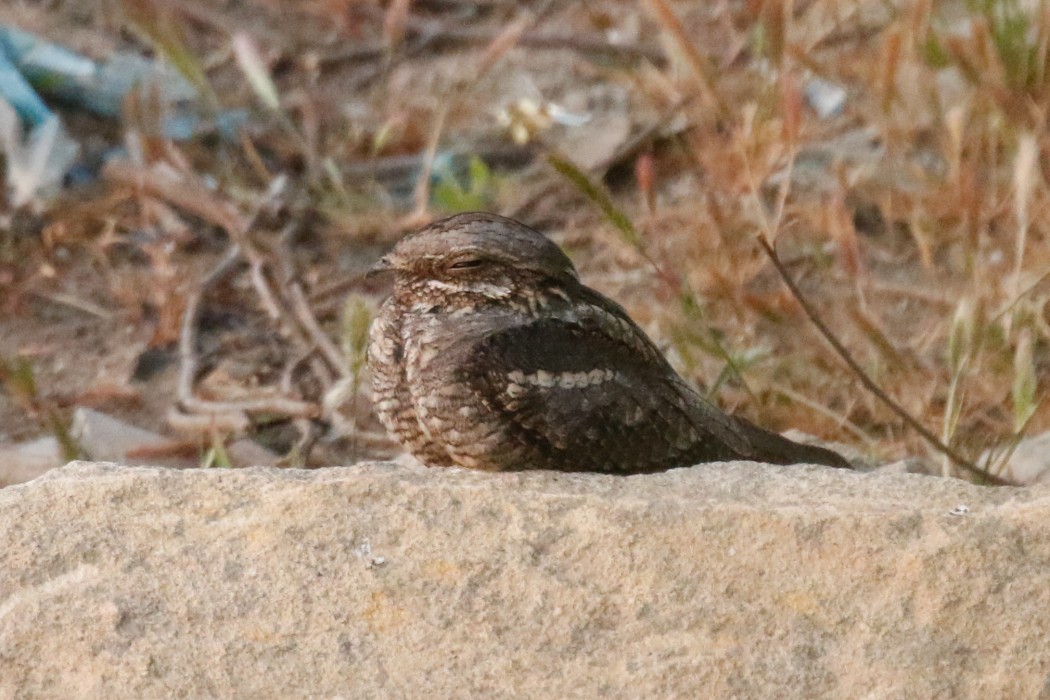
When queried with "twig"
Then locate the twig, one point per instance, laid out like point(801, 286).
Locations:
point(233, 422)
point(188, 333)
point(294, 319)
point(535, 40)
point(301, 311)
point(324, 344)
point(1015, 439)
point(262, 288)
point(241, 247)
point(400, 167)
point(337, 289)
point(843, 422)
point(372, 440)
point(288, 373)
point(432, 32)
point(188, 361)
point(1020, 295)
point(299, 455)
point(278, 310)
point(868, 383)
point(922, 295)
point(289, 320)
point(82, 305)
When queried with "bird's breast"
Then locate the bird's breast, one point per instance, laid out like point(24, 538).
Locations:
point(441, 341)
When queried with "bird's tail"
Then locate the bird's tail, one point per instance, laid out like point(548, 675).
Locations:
point(777, 449)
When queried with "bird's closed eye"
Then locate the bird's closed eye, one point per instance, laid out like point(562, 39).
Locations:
point(466, 264)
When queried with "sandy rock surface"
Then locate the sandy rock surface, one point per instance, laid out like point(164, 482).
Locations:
point(737, 580)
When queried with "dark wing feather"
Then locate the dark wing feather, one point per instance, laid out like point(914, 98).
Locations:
point(592, 393)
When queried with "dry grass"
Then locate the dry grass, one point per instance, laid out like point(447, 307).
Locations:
point(916, 219)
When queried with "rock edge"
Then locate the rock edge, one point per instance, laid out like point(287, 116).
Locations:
point(728, 580)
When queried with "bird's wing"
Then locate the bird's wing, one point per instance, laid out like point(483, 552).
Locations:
point(590, 392)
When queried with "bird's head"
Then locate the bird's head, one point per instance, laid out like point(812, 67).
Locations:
point(475, 258)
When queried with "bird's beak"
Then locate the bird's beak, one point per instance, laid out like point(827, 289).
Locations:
point(384, 264)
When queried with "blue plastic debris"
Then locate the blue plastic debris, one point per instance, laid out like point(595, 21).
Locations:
point(17, 92)
point(31, 66)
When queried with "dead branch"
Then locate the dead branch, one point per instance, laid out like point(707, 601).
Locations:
point(328, 350)
point(188, 360)
point(868, 383)
point(241, 248)
point(429, 32)
point(301, 311)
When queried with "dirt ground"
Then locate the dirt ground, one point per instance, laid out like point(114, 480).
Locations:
point(700, 120)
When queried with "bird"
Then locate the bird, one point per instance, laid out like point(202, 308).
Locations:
point(491, 354)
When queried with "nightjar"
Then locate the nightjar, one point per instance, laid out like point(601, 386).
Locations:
point(490, 354)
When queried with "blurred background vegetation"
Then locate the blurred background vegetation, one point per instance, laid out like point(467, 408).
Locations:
point(180, 253)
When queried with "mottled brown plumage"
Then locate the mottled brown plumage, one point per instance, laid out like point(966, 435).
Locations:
point(490, 354)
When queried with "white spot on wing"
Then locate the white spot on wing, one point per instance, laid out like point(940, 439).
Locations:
point(518, 380)
point(542, 378)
